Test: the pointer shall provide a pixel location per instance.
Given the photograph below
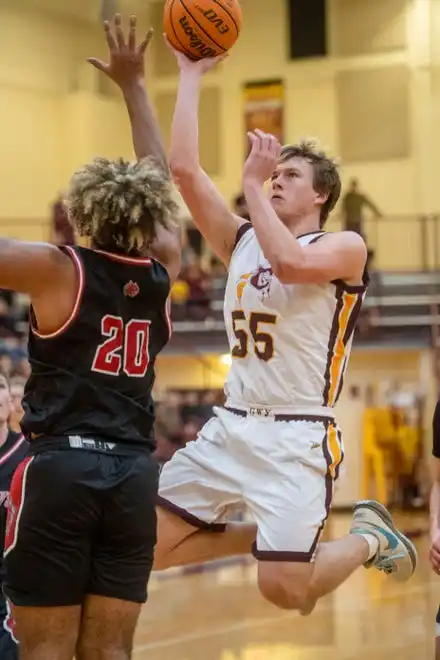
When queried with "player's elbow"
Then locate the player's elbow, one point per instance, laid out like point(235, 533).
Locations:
point(286, 271)
point(183, 170)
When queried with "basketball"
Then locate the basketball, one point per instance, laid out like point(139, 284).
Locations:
point(202, 28)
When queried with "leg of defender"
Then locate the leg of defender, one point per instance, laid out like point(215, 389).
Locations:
point(47, 550)
point(8, 633)
point(107, 629)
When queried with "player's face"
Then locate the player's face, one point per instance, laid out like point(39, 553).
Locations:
point(5, 400)
point(291, 190)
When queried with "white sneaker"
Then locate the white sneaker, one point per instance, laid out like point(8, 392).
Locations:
point(396, 555)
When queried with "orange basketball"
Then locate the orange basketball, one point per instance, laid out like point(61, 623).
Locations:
point(202, 28)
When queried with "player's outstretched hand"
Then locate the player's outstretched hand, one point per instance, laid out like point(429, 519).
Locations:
point(126, 59)
point(196, 66)
point(263, 157)
point(434, 553)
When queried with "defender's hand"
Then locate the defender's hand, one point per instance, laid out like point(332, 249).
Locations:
point(127, 60)
point(199, 67)
point(263, 157)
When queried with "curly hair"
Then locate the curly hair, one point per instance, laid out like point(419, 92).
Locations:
point(326, 179)
point(120, 204)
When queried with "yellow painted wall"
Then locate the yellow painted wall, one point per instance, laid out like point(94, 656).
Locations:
point(53, 119)
point(311, 104)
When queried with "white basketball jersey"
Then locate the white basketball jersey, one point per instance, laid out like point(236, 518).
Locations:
point(290, 344)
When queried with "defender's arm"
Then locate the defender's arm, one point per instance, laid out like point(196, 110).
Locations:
point(126, 67)
point(147, 140)
point(47, 274)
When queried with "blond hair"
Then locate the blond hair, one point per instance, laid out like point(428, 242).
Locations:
point(326, 178)
point(120, 204)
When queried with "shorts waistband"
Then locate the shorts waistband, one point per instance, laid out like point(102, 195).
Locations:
point(267, 413)
point(51, 443)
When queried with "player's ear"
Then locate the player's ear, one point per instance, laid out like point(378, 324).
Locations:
point(321, 198)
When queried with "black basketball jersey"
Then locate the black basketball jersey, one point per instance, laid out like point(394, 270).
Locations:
point(12, 453)
point(93, 377)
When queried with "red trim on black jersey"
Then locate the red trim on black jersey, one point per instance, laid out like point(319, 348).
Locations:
point(78, 299)
point(135, 261)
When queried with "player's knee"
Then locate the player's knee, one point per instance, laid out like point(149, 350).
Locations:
point(283, 591)
point(101, 648)
point(93, 651)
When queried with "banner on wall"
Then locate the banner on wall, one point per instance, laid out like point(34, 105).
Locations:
point(264, 108)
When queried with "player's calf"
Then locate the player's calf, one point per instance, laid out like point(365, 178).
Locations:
point(287, 585)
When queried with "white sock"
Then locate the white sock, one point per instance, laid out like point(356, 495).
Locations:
point(373, 543)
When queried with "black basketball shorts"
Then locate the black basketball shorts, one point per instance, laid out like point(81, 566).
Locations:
point(80, 522)
point(8, 641)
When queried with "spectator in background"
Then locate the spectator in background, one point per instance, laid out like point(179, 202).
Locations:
point(240, 207)
point(200, 287)
point(353, 205)
point(17, 391)
point(7, 321)
point(179, 299)
point(62, 232)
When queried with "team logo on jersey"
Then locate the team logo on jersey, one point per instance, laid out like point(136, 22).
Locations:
point(244, 279)
point(131, 289)
point(261, 280)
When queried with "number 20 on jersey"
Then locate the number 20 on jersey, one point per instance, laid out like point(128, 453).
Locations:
point(125, 349)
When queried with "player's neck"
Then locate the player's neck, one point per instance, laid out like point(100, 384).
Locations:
point(4, 432)
point(304, 225)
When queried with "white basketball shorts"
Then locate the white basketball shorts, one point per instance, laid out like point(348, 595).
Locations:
point(283, 471)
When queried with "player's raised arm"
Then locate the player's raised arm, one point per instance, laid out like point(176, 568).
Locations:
point(209, 210)
point(341, 255)
point(126, 67)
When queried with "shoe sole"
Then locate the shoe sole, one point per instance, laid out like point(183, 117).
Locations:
point(383, 513)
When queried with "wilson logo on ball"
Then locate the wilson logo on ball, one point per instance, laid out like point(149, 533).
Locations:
point(214, 18)
point(195, 40)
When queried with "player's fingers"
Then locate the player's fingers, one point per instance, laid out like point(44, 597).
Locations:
point(144, 45)
point(119, 32)
point(98, 64)
point(170, 46)
point(132, 33)
point(111, 42)
point(220, 58)
point(253, 139)
point(434, 559)
point(275, 146)
point(265, 140)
